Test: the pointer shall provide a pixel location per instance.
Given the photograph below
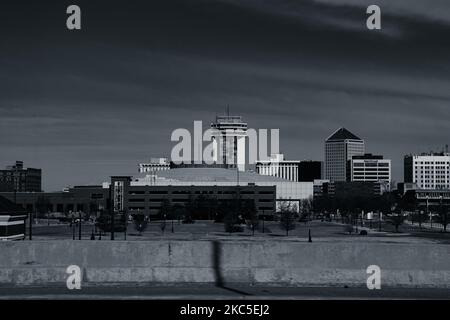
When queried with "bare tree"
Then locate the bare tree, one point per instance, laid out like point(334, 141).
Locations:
point(140, 222)
point(443, 216)
point(288, 213)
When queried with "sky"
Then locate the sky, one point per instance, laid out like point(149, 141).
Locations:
point(84, 105)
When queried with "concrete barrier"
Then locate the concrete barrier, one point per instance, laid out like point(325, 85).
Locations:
point(274, 262)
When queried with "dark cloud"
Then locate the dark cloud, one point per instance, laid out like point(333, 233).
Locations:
point(89, 104)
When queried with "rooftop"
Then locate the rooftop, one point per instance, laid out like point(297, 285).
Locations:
point(10, 208)
point(211, 175)
point(343, 134)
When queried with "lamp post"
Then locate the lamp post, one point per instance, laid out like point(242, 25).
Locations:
point(73, 228)
point(264, 219)
point(125, 217)
point(79, 225)
point(379, 221)
point(31, 226)
point(112, 223)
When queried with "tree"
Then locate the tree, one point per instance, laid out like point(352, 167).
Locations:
point(104, 222)
point(42, 205)
point(349, 228)
point(443, 216)
point(140, 222)
point(231, 216)
point(396, 219)
point(288, 213)
point(306, 206)
point(408, 202)
point(166, 209)
point(250, 214)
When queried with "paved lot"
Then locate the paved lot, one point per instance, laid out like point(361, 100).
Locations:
point(320, 231)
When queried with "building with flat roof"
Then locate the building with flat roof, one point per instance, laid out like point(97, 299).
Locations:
point(310, 170)
point(369, 167)
point(293, 170)
point(155, 164)
point(286, 191)
point(277, 166)
point(340, 147)
point(19, 179)
point(12, 220)
point(123, 196)
point(428, 170)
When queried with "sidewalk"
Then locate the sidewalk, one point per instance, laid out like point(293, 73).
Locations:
point(426, 225)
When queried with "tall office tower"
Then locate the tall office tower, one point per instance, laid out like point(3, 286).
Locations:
point(276, 166)
point(428, 170)
point(229, 133)
point(339, 148)
point(369, 167)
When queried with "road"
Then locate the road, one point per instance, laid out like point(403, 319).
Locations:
point(208, 292)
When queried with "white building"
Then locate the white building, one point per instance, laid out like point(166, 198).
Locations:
point(229, 134)
point(369, 167)
point(286, 191)
point(428, 170)
point(276, 166)
point(155, 164)
point(339, 148)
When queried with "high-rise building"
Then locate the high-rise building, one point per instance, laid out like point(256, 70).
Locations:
point(276, 166)
point(369, 167)
point(428, 170)
point(340, 147)
point(19, 179)
point(229, 133)
point(310, 170)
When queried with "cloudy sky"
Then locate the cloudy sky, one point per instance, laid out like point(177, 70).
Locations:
point(84, 105)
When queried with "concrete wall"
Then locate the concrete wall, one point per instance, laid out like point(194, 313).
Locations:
point(256, 262)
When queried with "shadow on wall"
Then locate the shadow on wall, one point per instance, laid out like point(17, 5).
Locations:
point(218, 277)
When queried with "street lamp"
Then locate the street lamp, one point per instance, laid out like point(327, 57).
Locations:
point(79, 225)
point(73, 228)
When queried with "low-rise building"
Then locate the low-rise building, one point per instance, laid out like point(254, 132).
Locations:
point(16, 178)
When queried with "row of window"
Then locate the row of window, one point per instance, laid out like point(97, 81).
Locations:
point(196, 192)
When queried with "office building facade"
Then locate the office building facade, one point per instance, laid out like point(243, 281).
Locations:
point(428, 170)
point(276, 166)
point(369, 167)
point(19, 179)
point(340, 147)
point(122, 195)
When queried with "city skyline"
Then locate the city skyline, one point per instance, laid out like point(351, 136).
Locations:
point(88, 105)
